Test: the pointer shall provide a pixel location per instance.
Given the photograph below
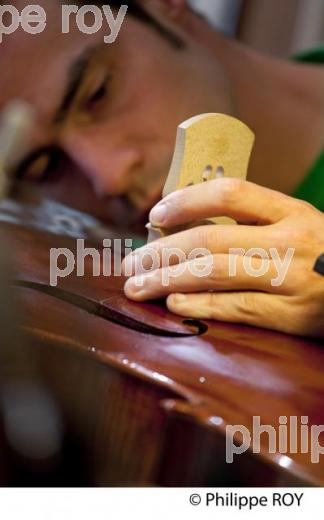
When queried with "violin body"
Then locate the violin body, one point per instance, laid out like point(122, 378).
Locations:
point(145, 396)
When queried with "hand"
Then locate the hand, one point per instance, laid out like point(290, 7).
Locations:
point(287, 294)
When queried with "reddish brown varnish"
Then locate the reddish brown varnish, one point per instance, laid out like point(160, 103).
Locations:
point(149, 396)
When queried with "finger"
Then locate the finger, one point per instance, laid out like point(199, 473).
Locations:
point(244, 201)
point(184, 246)
point(215, 272)
point(251, 308)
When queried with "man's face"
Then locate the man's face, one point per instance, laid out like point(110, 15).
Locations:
point(112, 109)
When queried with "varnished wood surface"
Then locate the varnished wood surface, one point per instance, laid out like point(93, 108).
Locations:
point(225, 376)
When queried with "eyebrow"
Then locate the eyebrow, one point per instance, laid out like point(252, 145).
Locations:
point(75, 76)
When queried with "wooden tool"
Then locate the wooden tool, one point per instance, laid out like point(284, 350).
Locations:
point(208, 146)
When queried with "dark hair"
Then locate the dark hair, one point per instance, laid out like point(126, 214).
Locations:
point(136, 10)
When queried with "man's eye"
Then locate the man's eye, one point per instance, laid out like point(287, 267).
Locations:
point(37, 165)
point(98, 95)
point(37, 168)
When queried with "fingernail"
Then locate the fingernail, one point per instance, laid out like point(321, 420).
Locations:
point(178, 299)
point(135, 286)
point(158, 214)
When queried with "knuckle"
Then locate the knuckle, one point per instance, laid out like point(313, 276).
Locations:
point(303, 237)
point(218, 271)
point(281, 239)
point(302, 206)
point(246, 304)
point(200, 236)
point(289, 236)
point(297, 236)
point(307, 236)
point(230, 189)
point(206, 237)
point(213, 239)
point(212, 305)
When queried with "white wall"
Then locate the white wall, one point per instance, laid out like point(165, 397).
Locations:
point(223, 14)
point(310, 25)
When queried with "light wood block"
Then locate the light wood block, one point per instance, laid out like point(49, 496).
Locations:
point(208, 146)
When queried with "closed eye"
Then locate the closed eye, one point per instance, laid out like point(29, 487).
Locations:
point(38, 164)
point(98, 95)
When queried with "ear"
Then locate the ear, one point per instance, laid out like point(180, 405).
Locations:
point(172, 9)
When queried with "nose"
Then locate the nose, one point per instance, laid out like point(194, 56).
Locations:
point(107, 160)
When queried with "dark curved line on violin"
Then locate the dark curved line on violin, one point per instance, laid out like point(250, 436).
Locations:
point(92, 307)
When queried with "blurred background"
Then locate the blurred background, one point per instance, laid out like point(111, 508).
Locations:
point(278, 27)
